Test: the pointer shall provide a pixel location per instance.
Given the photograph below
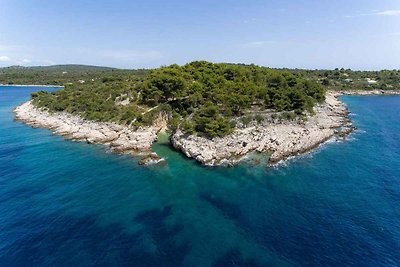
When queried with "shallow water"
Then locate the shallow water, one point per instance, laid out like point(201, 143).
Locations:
point(64, 203)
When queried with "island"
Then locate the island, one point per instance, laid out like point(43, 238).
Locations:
point(215, 113)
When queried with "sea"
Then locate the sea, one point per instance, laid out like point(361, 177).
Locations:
point(65, 203)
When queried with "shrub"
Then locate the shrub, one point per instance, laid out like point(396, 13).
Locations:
point(258, 118)
point(246, 120)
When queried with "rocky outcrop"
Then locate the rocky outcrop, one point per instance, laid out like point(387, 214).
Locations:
point(151, 159)
point(119, 138)
point(282, 140)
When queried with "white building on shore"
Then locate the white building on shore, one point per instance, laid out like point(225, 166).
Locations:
point(371, 81)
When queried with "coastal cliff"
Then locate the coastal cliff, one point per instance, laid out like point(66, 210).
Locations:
point(281, 139)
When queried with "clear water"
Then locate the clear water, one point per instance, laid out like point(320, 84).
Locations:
point(72, 204)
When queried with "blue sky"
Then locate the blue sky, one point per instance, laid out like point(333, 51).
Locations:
point(141, 34)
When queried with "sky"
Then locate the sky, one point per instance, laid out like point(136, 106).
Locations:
point(311, 34)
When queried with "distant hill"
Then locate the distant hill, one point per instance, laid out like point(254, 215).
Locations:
point(61, 67)
point(61, 74)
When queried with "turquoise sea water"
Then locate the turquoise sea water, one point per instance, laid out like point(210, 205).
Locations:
point(72, 204)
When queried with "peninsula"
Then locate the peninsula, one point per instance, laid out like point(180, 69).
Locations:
point(215, 113)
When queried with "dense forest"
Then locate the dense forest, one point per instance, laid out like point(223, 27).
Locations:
point(203, 98)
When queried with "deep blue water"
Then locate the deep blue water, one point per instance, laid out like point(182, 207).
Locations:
point(72, 204)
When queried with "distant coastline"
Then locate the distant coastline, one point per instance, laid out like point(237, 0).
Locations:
point(368, 92)
point(32, 85)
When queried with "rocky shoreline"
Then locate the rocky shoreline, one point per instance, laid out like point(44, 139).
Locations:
point(118, 138)
point(32, 85)
point(281, 140)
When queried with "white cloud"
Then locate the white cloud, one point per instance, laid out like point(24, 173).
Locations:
point(393, 12)
point(11, 54)
point(4, 59)
point(256, 44)
point(386, 13)
point(7, 61)
point(249, 20)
